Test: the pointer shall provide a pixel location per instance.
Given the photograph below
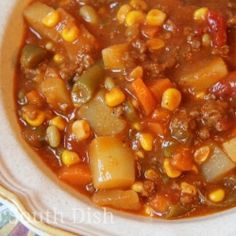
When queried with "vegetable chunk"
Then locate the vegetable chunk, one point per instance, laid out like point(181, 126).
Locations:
point(111, 163)
point(101, 117)
point(127, 200)
point(230, 148)
point(217, 165)
point(202, 75)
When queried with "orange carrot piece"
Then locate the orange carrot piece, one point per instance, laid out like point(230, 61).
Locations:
point(159, 87)
point(156, 128)
point(144, 96)
point(78, 175)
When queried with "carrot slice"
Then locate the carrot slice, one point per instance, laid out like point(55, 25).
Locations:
point(78, 175)
point(159, 87)
point(156, 128)
point(144, 96)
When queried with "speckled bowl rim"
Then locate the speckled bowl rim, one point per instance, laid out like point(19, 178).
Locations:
point(28, 185)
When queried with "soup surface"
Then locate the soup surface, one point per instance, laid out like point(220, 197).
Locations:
point(133, 102)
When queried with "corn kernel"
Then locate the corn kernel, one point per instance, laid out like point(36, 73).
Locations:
point(70, 34)
point(155, 44)
point(81, 130)
point(49, 46)
point(69, 158)
point(188, 188)
point(206, 40)
point(139, 4)
point(53, 136)
point(59, 122)
point(156, 17)
point(115, 97)
point(146, 141)
point(200, 14)
point(37, 121)
point(139, 154)
point(171, 99)
point(201, 154)
point(137, 126)
point(170, 171)
point(122, 13)
point(134, 18)
point(58, 58)
point(217, 195)
point(51, 19)
point(148, 211)
point(137, 72)
point(151, 174)
point(138, 187)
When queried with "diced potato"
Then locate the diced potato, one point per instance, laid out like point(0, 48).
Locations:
point(202, 75)
point(217, 165)
point(101, 118)
point(56, 93)
point(114, 57)
point(127, 200)
point(230, 148)
point(111, 163)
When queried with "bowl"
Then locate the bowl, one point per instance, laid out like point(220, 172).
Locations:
point(36, 195)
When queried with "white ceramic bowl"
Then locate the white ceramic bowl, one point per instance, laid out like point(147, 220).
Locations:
point(36, 194)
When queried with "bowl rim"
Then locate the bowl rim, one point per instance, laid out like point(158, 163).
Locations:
point(24, 197)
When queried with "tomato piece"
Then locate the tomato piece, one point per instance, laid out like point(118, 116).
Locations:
point(217, 26)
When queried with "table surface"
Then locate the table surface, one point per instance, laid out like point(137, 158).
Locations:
point(10, 226)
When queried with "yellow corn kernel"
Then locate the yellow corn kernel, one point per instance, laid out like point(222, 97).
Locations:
point(206, 40)
point(217, 195)
point(155, 44)
point(115, 97)
point(146, 141)
point(171, 99)
point(139, 154)
point(81, 130)
point(139, 4)
point(137, 72)
point(49, 46)
point(148, 211)
point(201, 154)
point(138, 187)
point(70, 34)
point(134, 18)
point(151, 174)
point(156, 17)
point(200, 95)
point(188, 188)
point(37, 121)
point(51, 19)
point(170, 171)
point(200, 14)
point(137, 126)
point(69, 158)
point(59, 122)
point(58, 58)
point(122, 13)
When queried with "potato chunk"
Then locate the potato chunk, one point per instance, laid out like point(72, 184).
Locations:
point(102, 118)
point(217, 165)
point(115, 57)
point(120, 199)
point(230, 148)
point(111, 163)
point(200, 76)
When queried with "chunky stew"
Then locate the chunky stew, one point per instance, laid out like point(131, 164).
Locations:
point(133, 103)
